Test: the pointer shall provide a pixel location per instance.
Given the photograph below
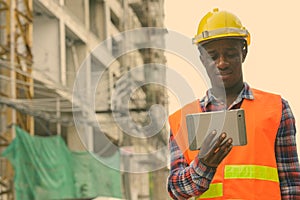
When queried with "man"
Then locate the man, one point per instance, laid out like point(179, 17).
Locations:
point(267, 167)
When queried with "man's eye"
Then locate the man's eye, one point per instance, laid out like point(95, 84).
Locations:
point(232, 55)
point(213, 56)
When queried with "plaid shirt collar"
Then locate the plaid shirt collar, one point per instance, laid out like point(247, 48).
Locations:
point(246, 93)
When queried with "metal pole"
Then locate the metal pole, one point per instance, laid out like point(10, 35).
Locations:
point(12, 60)
point(58, 127)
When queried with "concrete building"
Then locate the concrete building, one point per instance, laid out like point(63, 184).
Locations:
point(42, 53)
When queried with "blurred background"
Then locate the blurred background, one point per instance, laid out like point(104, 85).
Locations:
point(45, 154)
point(43, 44)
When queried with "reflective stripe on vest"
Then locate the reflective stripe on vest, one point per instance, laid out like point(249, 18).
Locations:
point(241, 172)
point(251, 172)
point(215, 190)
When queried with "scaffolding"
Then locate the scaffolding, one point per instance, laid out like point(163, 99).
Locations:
point(15, 51)
point(28, 96)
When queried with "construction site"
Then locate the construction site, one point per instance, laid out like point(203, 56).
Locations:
point(50, 146)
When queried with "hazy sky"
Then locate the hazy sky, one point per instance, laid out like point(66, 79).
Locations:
point(272, 62)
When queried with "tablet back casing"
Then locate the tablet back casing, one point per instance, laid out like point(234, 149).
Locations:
point(230, 121)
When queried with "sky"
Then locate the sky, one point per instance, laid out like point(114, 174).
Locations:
point(272, 61)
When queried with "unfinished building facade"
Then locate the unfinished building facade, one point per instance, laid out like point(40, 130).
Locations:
point(45, 44)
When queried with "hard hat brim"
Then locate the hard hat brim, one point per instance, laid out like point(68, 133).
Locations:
point(222, 33)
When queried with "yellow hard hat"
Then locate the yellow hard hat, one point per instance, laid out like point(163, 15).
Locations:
point(220, 24)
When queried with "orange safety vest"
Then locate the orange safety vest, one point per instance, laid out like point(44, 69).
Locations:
point(250, 171)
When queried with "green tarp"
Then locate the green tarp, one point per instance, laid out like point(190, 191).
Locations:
point(46, 169)
point(97, 178)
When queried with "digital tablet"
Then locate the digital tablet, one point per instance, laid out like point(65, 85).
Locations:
point(230, 121)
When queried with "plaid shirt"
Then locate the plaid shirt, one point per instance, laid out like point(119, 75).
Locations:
point(187, 180)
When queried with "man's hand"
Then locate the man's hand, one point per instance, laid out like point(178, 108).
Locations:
point(219, 150)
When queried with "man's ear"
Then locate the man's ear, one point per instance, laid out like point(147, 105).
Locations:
point(244, 51)
point(244, 55)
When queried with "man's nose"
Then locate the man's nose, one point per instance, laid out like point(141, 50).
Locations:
point(221, 62)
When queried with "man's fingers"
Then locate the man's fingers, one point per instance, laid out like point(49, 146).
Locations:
point(225, 152)
point(215, 159)
point(226, 146)
point(210, 137)
point(208, 143)
point(227, 143)
point(220, 151)
point(219, 142)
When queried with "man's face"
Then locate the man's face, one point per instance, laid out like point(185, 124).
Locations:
point(223, 60)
